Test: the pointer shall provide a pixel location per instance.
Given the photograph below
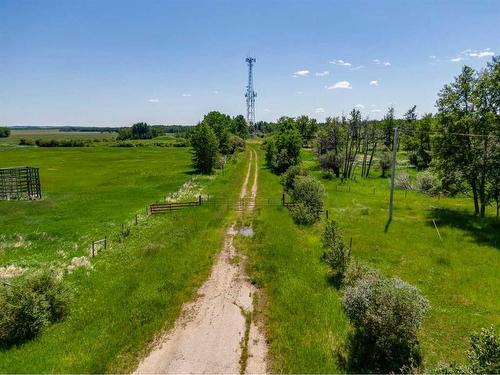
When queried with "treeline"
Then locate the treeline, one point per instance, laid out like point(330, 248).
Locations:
point(139, 130)
point(460, 145)
point(215, 138)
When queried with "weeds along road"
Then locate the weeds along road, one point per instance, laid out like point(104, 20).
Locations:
point(215, 333)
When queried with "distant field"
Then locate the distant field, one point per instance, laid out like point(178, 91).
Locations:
point(459, 275)
point(16, 135)
point(87, 194)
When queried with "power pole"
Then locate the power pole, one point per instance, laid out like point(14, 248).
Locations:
point(393, 171)
point(250, 95)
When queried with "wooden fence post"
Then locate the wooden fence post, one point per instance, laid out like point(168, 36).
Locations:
point(326, 214)
point(105, 242)
point(283, 200)
point(93, 249)
point(135, 219)
point(199, 200)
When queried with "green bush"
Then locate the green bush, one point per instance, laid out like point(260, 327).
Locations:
point(402, 181)
point(26, 142)
point(4, 132)
point(356, 271)
point(283, 150)
point(336, 253)
point(30, 305)
point(288, 178)
point(307, 195)
point(483, 355)
point(426, 183)
point(386, 314)
point(330, 161)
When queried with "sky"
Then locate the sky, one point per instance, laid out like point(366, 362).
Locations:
point(116, 62)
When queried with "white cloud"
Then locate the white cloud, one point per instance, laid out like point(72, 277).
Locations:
point(374, 83)
point(319, 110)
point(216, 92)
point(267, 110)
point(375, 111)
point(433, 57)
point(301, 73)
point(340, 62)
point(480, 54)
point(153, 100)
point(359, 106)
point(323, 73)
point(186, 95)
point(357, 67)
point(299, 92)
point(376, 61)
point(387, 63)
point(457, 59)
point(340, 85)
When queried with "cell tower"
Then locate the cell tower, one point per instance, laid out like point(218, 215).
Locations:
point(250, 95)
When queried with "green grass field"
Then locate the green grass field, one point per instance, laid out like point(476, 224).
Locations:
point(459, 275)
point(88, 193)
point(17, 135)
point(135, 289)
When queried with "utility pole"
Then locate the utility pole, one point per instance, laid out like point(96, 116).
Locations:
point(250, 95)
point(393, 171)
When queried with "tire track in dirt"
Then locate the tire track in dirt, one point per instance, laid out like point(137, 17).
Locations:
point(215, 333)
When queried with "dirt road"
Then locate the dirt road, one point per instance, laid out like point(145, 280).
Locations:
point(215, 333)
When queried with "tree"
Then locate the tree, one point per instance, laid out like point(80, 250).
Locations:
point(4, 132)
point(388, 126)
point(307, 194)
point(283, 150)
point(336, 253)
point(221, 125)
point(307, 128)
point(385, 161)
point(139, 130)
point(466, 147)
point(240, 127)
point(416, 139)
point(205, 147)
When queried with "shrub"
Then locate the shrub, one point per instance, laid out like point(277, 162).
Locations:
point(4, 132)
point(288, 178)
point(29, 306)
point(356, 271)
point(236, 144)
point(402, 181)
point(26, 142)
point(386, 314)
point(483, 355)
point(426, 183)
point(330, 161)
point(484, 352)
point(308, 195)
point(336, 253)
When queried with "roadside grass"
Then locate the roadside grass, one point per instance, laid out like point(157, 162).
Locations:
point(88, 193)
point(134, 292)
point(303, 318)
point(305, 323)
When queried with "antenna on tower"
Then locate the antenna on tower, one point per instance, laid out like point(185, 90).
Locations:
point(250, 95)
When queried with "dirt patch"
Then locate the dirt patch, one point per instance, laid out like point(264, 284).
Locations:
point(214, 333)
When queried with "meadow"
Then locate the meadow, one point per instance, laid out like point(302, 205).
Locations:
point(17, 135)
point(134, 290)
point(88, 193)
point(305, 323)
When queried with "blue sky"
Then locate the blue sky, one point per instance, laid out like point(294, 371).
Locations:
point(85, 62)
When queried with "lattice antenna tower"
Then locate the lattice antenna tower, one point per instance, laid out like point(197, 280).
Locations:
point(250, 95)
